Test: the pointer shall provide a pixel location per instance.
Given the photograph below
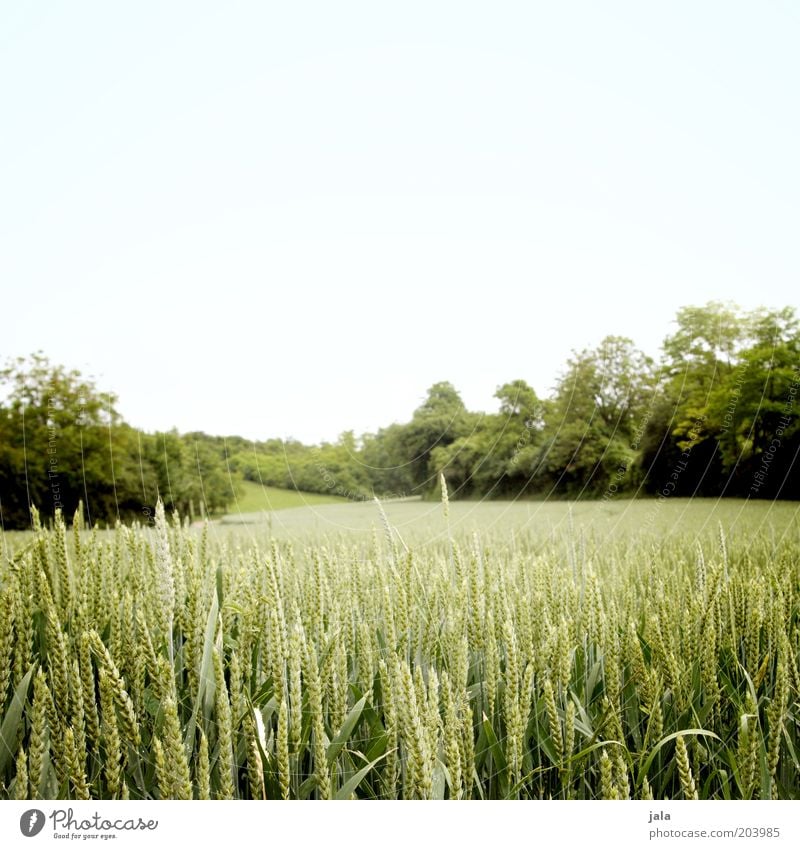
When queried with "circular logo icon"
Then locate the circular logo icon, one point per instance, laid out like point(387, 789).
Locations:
point(31, 822)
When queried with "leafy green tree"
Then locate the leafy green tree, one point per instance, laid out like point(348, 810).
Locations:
point(699, 356)
point(440, 420)
point(590, 430)
point(385, 462)
point(729, 375)
point(57, 432)
point(62, 442)
point(485, 461)
point(753, 410)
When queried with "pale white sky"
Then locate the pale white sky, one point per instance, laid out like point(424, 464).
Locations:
point(281, 219)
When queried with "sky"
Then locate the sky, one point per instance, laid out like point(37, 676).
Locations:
point(290, 219)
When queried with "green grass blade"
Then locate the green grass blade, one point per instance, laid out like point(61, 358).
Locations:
point(350, 722)
point(664, 740)
point(349, 787)
point(11, 721)
point(204, 699)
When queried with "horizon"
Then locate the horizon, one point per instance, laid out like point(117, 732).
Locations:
point(360, 435)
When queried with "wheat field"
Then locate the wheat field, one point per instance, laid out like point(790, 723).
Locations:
point(165, 661)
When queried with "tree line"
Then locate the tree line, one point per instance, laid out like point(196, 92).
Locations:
point(715, 415)
point(62, 442)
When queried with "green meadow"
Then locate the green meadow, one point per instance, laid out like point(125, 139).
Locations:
point(254, 498)
point(628, 649)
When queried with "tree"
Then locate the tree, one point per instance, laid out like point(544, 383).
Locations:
point(590, 430)
point(386, 465)
point(56, 431)
point(440, 420)
point(751, 411)
point(486, 461)
point(62, 441)
point(729, 375)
